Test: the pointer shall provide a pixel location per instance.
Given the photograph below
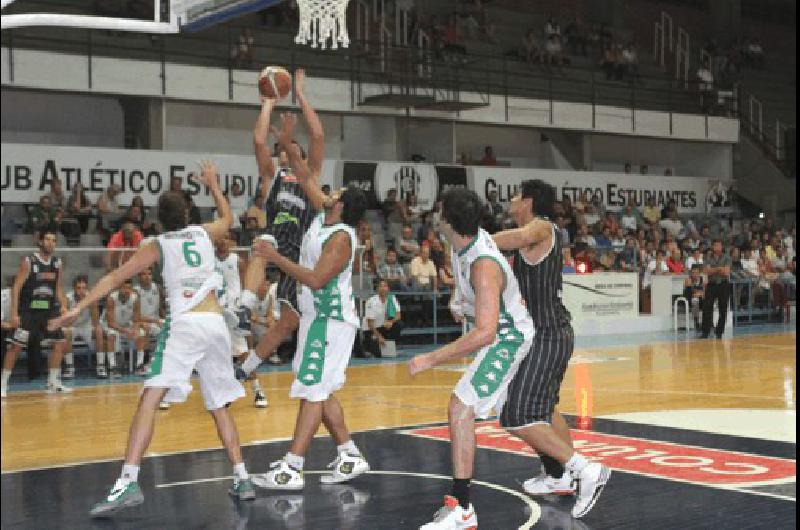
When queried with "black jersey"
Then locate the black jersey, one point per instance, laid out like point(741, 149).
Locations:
point(39, 290)
point(540, 285)
point(289, 212)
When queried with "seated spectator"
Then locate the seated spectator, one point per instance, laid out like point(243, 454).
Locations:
point(243, 53)
point(603, 239)
point(368, 257)
point(670, 207)
point(44, 216)
point(584, 236)
point(696, 258)
point(610, 222)
point(599, 207)
point(425, 227)
point(705, 85)
point(673, 225)
point(657, 265)
point(134, 215)
point(630, 62)
point(408, 247)
point(651, 211)
point(629, 221)
point(393, 272)
point(194, 212)
point(79, 206)
point(591, 217)
point(394, 213)
point(561, 224)
point(109, 210)
point(553, 53)
point(128, 237)
point(57, 198)
point(423, 271)
point(488, 157)
point(675, 263)
point(531, 52)
point(552, 27)
point(568, 263)
point(382, 319)
point(694, 291)
point(438, 255)
point(626, 259)
point(413, 210)
point(618, 239)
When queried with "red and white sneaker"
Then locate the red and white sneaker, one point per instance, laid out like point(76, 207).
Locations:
point(452, 516)
point(544, 484)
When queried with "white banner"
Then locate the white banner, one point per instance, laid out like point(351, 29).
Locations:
point(28, 170)
point(615, 189)
point(601, 295)
point(406, 178)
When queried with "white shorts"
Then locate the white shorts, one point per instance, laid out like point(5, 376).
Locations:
point(238, 344)
point(83, 333)
point(323, 352)
point(150, 329)
point(484, 385)
point(195, 341)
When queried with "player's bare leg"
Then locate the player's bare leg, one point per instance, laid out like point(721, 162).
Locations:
point(54, 385)
point(8, 365)
point(269, 342)
point(229, 436)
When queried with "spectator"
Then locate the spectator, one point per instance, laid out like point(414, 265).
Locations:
point(382, 319)
point(705, 85)
point(531, 51)
point(603, 239)
point(626, 259)
point(718, 270)
point(630, 62)
point(467, 25)
point(657, 265)
point(627, 168)
point(423, 271)
point(552, 27)
point(243, 52)
point(553, 52)
point(408, 247)
point(109, 210)
point(176, 184)
point(488, 157)
point(568, 262)
point(695, 259)
point(393, 272)
point(413, 210)
point(585, 237)
point(128, 237)
point(673, 225)
point(671, 206)
point(79, 206)
point(251, 230)
point(561, 223)
point(394, 212)
point(194, 211)
point(629, 221)
point(134, 215)
point(652, 213)
point(668, 172)
point(57, 198)
point(43, 217)
point(451, 37)
point(675, 263)
point(610, 222)
point(599, 207)
point(694, 291)
point(369, 259)
point(618, 239)
point(446, 279)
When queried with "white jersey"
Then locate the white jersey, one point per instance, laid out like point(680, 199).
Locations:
point(5, 305)
point(123, 310)
point(231, 281)
point(188, 268)
point(149, 301)
point(513, 313)
point(336, 300)
point(85, 317)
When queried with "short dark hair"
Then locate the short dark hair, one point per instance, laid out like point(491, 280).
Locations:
point(78, 279)
point(543, 195)
point(377, 281)
point(463, 210)
point(127, 281)
point(355, 205)
point(172, 208)
point(48, 230)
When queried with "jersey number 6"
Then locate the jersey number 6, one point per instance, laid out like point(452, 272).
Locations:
point(192, 257)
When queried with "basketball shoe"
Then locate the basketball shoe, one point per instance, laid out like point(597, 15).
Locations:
point(452, 516)
point(544, 484)
point(69, 372)
point(346, 467)
point(260, 399)
point(122, 495)
point(591, 481)
point(57, 387)
point(243, 490)
point(281, 476)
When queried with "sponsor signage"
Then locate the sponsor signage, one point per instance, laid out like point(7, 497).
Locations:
point(601, 295)
point(450, 177)
point(672, 461)
point(362, 175)
point(407, 178)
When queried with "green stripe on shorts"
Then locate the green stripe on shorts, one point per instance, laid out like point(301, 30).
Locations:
point(498, 360)
point(311, 367)
point(158, 354)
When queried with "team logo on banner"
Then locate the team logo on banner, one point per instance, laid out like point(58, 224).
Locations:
point(407, 179)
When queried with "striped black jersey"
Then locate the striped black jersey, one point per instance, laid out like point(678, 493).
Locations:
point(289, 212)
point(39, 290)
point(541, 283)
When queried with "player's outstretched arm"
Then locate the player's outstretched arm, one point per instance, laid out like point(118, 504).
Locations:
point(487, 281)
point(333, 260)
point(533, 233)
point(222, 224)
point(266, 167)
point(146, 256)
point(316, 133)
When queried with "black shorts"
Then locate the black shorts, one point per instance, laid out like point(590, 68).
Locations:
point(533, 393)
point(287, 286)
point(33, 325)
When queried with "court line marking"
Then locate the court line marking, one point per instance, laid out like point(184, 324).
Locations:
point(535, 510)
point(727, 487)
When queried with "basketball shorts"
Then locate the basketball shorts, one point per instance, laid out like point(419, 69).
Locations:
point(485, 383)
point(33, 324)
point(195, 341)
point(238, 345)
point(533, 393)
point(150, 329)
point(323, 352)
point(83, 333)
point(286, 292)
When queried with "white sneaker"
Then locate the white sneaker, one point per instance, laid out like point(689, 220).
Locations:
point(142, 370)
point(260, 399)
point(281, 476)
point(69, 372)
point(58, 388)
point(3, 392)
point(164, 405)
point(346, 467)
point(591, 481)
point(544, 484)
point(452, 516)
point(102, 373)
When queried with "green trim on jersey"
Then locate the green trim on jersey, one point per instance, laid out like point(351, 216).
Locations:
point(313, 362)
point(469, 245)
point(328, 300)
point(160, 257)
point(161, 342)
point(498, 360)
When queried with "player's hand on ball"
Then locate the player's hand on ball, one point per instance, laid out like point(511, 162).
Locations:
point(418, 364)
point(208, 173)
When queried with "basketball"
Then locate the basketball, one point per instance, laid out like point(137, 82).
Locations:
point(274, 82)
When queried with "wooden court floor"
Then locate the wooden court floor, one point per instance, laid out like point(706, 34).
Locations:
point(746, 372)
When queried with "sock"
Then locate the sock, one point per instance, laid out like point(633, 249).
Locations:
point(130, 473)
point(249, 299)
point(69, 358)
point(551, 466)
point(295, 461)
point(112, 359)
point(139, 358)
point(53, 375)
point(251, 363)
point(461, 491)
point(256, 385)
point(348, 447)
point(6, 377)
point(101, 358)
point(240, 472)
point(576, 464)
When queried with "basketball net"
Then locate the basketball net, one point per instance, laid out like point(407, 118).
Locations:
point(321, 20)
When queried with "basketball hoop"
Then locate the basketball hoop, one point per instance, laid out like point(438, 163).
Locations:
point(321, 20)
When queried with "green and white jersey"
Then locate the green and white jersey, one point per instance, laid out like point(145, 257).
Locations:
point(513, 313)
point(149, 301)
point(335, 301)
point(123, 309)
point(188, 268)
point(231, 282)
